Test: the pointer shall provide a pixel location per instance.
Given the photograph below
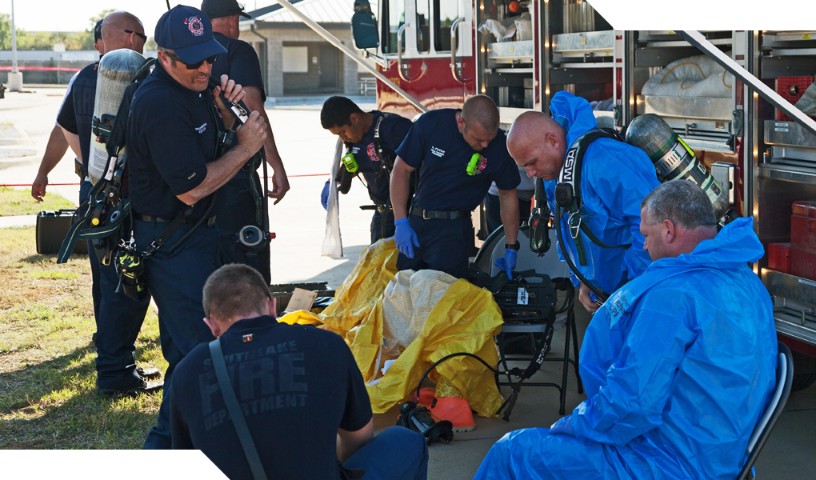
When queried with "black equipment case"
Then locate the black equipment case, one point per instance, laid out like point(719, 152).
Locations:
point(51, 229)
point(528, 298)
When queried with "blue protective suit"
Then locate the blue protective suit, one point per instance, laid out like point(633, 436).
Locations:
point(615, 177)
point(678, 365)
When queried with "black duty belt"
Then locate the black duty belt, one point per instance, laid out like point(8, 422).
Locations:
point(149, 218)
point(439, 214)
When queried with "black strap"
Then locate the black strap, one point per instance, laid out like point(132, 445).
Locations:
point(387, 161)
point(81, 218)
point(571, 171)
point(118, 133)
point(177, 222)
point(564, 253)
point(571, 176)
point(539, 221)
point(101, 191)
point(238, 420)
point(439, 214)
point(240, 111)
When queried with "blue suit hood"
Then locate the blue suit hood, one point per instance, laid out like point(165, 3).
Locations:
point(736, 244)
point(574, 114)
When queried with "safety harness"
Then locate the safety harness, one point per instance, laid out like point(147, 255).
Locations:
point(351, 168)
point(568, 201)
point(104, 219)
point(345, 175)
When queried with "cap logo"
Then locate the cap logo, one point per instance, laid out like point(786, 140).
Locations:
point(195, 25)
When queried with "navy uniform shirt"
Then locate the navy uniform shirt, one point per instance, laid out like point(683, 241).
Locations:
point(435, 147)
point(240, 63)
point(296, 385)
point(172, 134)
point(392, 131)
point(76, 112)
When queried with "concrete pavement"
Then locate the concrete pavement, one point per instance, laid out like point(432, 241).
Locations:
point(26, 120)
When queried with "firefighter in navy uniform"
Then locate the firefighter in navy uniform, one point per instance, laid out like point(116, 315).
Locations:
point(118, 317)
point(242, 201)
point(371, 139)
point(457, 154)
point(175, 172)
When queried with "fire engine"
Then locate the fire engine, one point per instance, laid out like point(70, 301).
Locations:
point(736, 114)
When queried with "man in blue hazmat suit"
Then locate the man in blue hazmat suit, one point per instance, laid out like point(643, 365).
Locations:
point(611, 179)
point(678, 364)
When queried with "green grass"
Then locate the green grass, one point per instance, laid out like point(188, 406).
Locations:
point(48, 397)
point(15, 201)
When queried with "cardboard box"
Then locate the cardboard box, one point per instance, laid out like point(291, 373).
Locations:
point(283, 294)
point(300, 300)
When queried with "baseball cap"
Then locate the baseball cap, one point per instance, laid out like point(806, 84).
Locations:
point(188, 32)
point(98, 31)
point(223, 8)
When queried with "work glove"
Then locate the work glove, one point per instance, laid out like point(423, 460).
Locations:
point(508, 262)
point(324, 196)
point(405, 237)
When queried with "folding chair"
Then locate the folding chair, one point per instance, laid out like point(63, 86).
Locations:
point(784, 379)
point(538, 333)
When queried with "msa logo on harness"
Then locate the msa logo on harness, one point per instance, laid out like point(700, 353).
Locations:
point(569, 166)
point(568, 190)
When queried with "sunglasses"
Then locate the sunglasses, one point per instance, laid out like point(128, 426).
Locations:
point(192, 66)
point(140, 35)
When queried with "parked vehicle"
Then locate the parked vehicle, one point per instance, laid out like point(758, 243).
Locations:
point(730, 105)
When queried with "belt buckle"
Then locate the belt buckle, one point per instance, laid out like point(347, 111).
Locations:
point(425, 215)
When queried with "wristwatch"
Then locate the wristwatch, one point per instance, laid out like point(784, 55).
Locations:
point(512, 246)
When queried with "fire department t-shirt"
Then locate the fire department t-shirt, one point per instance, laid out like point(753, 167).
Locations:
point(296, 386)
point(438, 151)
point(392, 131)
point(172, 134)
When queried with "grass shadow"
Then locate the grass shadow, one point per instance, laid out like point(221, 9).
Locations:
point(54, 405)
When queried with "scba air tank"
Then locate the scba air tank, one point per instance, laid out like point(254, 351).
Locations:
point(115, 72)
point(674, 159)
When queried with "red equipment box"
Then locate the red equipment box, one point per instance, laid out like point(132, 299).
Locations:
point(803, 225)
point(791, 88)
point(803, 263)
point(803, 239)
point(779, 257)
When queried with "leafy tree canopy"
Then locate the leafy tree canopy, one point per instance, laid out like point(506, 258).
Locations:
point(46, 40)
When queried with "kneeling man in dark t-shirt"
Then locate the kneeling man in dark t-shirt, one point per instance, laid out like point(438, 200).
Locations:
point(298, 387)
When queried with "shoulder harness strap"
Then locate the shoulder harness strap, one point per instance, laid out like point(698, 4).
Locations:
point(388, 162)
point(568, 190)
point(106, 189)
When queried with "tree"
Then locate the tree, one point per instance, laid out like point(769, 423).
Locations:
point(83, 40)
point(5, 31)
point(104, 13)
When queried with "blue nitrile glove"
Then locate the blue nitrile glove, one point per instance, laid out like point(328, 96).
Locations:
point(508, 262)
point(324, 196)
point(405, 237)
